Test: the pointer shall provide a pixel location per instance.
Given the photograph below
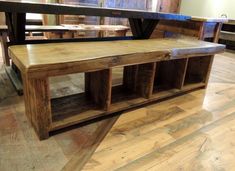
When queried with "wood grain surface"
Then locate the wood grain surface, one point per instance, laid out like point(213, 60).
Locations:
point(71, 27)
point(66, 58)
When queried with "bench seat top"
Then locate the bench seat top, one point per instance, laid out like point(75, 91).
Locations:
point(64, 58)
point(38, 28)
point(64, 28)
point(84, 27)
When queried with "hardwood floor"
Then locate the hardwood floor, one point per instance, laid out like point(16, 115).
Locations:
point(195, 131)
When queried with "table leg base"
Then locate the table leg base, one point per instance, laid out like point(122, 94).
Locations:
point(15, 80)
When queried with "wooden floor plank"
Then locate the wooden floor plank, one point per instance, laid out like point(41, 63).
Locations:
point(82, 155)
point(175, 130)
point(207, 149)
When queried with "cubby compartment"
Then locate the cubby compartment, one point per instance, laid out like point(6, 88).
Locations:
point(72, 84)
point(198, 70)
point(169, 75)
point(86, 104)
point(137, 82)
point(117, 89)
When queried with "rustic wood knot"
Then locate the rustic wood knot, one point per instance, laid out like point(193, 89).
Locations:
point(116, 60)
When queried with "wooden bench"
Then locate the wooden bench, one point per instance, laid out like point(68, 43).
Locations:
point(154, 69)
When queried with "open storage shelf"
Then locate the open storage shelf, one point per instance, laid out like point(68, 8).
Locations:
point(125, 90)
point(117, 89)
point(65, 107)
point(121, 93)
point(169, 75)
point(197, 70)
point(123, 84)
point(93, 102)
point(137, 83)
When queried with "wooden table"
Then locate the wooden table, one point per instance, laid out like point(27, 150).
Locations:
point(153, 69)
point(142, 22)
point(200, 27)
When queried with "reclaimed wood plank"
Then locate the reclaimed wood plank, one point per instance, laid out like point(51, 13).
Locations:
point(38, 105)
point(66, 58)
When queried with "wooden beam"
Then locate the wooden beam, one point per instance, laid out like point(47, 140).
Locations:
point(145, 79)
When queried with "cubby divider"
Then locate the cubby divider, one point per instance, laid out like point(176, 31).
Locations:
point(145, 79)
point(130, 78)
point(98, 86)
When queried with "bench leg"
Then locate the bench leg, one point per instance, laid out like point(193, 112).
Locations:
point(38, 105)
point(3, 39)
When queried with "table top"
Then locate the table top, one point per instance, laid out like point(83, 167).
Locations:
point(208, 19)
point(34, 58)
point(18, 6)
